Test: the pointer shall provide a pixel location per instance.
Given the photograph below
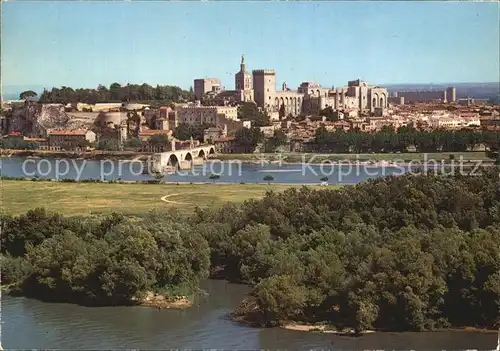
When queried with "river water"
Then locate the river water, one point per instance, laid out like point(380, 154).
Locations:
point(230, 172)
point(29, 324)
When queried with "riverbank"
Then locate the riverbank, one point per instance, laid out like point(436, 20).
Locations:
point(331, 329)
point(354, 159)
point(366, 164)
point(323, 328)
point(159, 301)
point(77, 198)
point(150, 298)
point(83, 155)
point(373, 159)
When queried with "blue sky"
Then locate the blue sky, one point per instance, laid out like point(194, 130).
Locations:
point(82, 44)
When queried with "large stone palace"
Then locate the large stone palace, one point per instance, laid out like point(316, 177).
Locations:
point(310, 97)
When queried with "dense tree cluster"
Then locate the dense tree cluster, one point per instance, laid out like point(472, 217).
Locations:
point(413, 252)
point(249, 137)
point(106, 261)
point(388, 140)
point(248, 111)
point(278, 139)
point(185, 131)
point(108, 144)
point(116, 93)
point(18, 144)
point(400, 253)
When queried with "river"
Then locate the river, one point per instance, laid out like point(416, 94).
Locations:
point(230, 172)
point(30, 324)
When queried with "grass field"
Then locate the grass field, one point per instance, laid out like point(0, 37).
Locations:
point(91, 198)
point(313, 157)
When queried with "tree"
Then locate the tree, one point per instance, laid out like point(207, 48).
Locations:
point(282, 111)
point(249, 137)
point(158, 140)
point(214, 177)
point(83, 144)
point(28, 95)
point(268, 178)
point(322, 136)
point(108, 144)
point(185, 131)
point(278, 139)
point(248, 111)
point(329, 114)
point(160, 95)
point(133, 142)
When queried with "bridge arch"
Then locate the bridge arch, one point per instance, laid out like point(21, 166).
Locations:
point(202, 154)
point(173, 161)
point(188, 157)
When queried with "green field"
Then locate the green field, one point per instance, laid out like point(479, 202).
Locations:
point(91, 198)
point(313, 157)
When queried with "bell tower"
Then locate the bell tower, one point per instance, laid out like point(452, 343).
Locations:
point(242, 65)
point(243, 82)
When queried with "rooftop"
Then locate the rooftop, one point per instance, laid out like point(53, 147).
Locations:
point(68, 132)
point(221, 140)
point(35, 139)
point(155, 132)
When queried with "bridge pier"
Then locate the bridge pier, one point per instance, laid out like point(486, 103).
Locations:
point(184, 165)
point(198, 161)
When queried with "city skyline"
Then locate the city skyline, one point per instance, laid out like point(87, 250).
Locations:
point(86, 44)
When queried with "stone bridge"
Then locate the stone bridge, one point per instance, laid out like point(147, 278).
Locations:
point(181, 159)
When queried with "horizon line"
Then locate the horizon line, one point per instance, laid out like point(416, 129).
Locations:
point(42, 86)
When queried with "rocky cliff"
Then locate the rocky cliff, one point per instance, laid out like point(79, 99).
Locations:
point(35, 119)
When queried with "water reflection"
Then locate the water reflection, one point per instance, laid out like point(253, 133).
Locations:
point(228, 171)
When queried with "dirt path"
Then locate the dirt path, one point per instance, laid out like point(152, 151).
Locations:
point(165, 198)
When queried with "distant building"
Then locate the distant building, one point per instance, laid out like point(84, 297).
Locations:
point(466, 101)
point(206, 85)
point(42, 142)
point(145, 135)
point(105, 106)
point(165, 118)
point(396, 100)
point(260, 87)
point(228, 145)
point(70, 139)
point(447, 95)
point(207, 114)
point(185, 144)
point(451, 94)
point(211, 134)
point(310, 97)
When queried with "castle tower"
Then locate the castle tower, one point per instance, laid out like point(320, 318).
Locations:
point(264, 85)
